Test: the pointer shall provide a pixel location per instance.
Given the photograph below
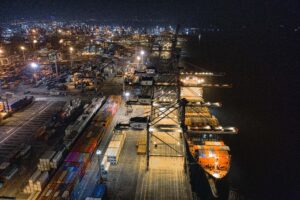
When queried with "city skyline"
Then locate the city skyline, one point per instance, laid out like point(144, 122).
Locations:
point(191, 12)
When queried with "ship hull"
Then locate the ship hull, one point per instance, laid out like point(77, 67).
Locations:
point(211, 187)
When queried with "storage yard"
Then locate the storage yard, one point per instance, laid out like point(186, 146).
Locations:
point(164, 180)
point(78, 159)
point(102, 125)
point(16, 142)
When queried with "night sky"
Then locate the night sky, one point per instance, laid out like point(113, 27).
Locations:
point(190, 12)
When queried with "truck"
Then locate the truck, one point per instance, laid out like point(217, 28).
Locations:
point(138, 122)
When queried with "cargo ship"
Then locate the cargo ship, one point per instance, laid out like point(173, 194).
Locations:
point(207, 148)
point(205, 143)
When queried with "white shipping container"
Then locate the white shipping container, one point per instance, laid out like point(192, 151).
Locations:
point(118, 137)
point(114, 149)
point(44, 161)
point(113, 155)
point(34, 176)
point(42, 181)
point(56, 159)
point(57, 156)
point(47, 155)
point(114, 144)
point(44, 166)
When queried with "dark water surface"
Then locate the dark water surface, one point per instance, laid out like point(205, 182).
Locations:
point(263, 104)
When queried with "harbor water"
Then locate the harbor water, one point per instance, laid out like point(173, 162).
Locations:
point(263, 67)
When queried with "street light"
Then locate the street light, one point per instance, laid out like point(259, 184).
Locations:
point(142, 52)
point(127, 94)
point(138, 63)
point(23, 49)
point(71, 49)
point(33, 65)
point(98, 154)
point(34, 42)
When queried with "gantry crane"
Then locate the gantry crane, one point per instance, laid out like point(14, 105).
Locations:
point(166, 98)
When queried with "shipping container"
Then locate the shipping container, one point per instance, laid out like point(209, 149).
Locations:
point(99, 191)
point(78, 159)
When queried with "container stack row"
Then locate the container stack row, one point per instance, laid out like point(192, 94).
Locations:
point(73, 131)
point(78, 159)
point(36, 182)
point(114, 148)
point(44, 161)
point(50, 161)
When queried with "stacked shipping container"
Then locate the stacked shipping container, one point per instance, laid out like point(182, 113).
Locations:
point(79, 157)
point(36, 182)
point(114, 148)
point(112, 153)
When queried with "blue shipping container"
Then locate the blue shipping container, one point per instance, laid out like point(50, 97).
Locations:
point(99, 191)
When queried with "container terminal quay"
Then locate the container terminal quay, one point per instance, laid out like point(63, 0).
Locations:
point(99, 112)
